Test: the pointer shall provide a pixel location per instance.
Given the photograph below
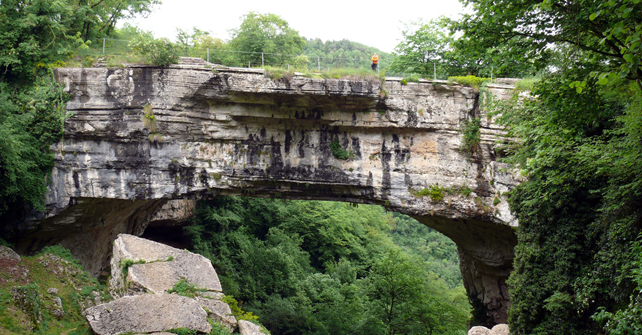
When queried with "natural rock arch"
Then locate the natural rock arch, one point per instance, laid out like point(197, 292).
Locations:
point(222, 131)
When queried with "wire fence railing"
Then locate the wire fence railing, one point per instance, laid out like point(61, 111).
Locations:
point(120, 50)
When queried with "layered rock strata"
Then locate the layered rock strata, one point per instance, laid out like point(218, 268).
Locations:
point(138, 136)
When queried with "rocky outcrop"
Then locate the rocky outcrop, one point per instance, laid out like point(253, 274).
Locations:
point(143, 274)
point(147, 313)
point(140, 136)
point(140, 266)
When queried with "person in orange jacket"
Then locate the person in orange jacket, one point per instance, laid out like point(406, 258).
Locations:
point(375, 61)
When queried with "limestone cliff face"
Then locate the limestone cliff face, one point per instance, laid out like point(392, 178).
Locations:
point(209, 132)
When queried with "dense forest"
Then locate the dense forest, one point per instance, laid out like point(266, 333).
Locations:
point(314, 267)
point(578, 265)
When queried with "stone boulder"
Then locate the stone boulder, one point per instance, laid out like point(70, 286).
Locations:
point(219, 311)
point(479, 330)
point(500, 329)
point(249, 328)
point(147, 313)
point(139, 266)
point(8, 255)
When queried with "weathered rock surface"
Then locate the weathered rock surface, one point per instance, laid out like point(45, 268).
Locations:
point(218, 311)
point(236, 131)
point(142, 273)
point(248, 328)
point(8, 255)
point(479, 330)
point(174, 212)
point(147, 313)
point(500, 329)
point(159, 267)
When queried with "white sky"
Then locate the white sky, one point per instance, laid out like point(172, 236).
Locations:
point(373, 23)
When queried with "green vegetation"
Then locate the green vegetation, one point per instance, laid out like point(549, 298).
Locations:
point(149, 122)
point(266, 39)
point(184, 288)
point(340, 153)
point(578, 143)
point(35, 37)
point(526, 84)
point(161, 51)
point(238, 313)
point(471, 81)
point(343, 54)
point(27, 304)
point(317, 267)
point(471, 135)
point(435, 192)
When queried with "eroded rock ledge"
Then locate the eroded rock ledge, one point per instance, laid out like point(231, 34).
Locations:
point(211, 131)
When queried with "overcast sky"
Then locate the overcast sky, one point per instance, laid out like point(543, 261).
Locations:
point(373, 23)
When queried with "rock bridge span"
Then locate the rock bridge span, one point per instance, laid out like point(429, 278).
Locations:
point(141, 136)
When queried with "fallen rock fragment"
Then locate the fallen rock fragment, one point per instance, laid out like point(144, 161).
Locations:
point(146, 314)
point(249, 328)
point(219, 311)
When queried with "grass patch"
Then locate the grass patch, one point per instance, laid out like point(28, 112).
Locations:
point(340, 153)
point(217, 328)
point(278, 73)
point(183, 331)
point(413, 78)
point(27, 305)
point(526, 84)
point(435, 192)
point(61, 252)
point(470, 81)
point(184, 288)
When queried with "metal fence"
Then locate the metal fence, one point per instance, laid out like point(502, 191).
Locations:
point(110, 48)
point(116, 47)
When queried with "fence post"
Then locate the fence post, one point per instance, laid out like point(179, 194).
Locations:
point(208, 55)
point(103, 45)
point(434, 66)
point(319, 63)
point(491, 73)
point(262, 61)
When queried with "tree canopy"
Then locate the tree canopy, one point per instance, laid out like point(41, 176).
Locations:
point(268, 34)
point(577, 142)
point(312, 267)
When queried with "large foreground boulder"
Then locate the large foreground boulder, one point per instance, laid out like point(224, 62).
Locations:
point(144, 273)
point(147, 313)
point(140, 266)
